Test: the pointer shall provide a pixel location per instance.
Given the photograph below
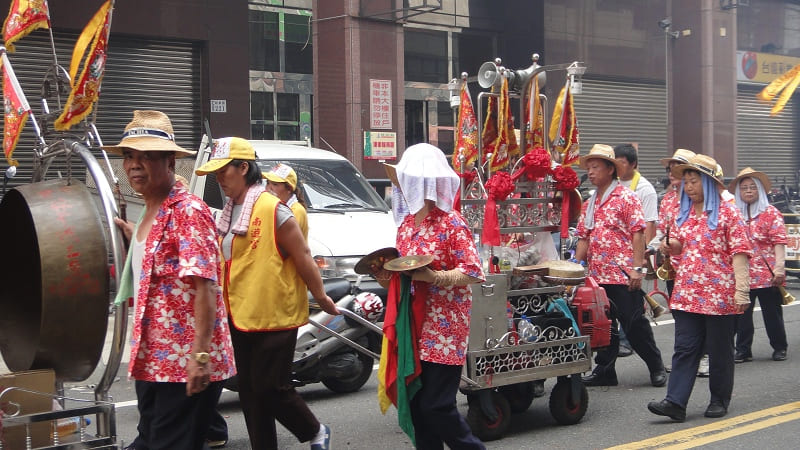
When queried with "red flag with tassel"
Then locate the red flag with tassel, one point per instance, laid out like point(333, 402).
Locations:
point(467, 140)
point(17, 110)
point(24, 17)
point(564, 128)
point(86, 89)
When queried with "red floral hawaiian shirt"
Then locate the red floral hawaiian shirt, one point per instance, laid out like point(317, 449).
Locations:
point(704, 282)
point(182, 243)
point(766, 231)
point(611, 240)
point(447, 310)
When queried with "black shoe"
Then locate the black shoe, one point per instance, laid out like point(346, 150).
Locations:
point(600, 379)
point(624, 350)
point(779, 355)
point(741, 357)
point(658, 378)
point(716, 410)
point(669, 409)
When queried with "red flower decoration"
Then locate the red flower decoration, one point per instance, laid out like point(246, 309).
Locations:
point(566, 178)
point(536, 164)
point(500, 186)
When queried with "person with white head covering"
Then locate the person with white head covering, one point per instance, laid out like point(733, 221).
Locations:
point(425, 187)
point(767, 266)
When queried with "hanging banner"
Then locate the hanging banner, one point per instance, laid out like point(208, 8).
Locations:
point(380, 104)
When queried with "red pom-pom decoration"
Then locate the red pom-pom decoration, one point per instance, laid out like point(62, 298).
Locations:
point(536, 164)
point(566, 178)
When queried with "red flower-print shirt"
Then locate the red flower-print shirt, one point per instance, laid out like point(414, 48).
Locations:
point(611, 240)
point(704, 281)
point(182, 243)
point(766, 231)
point(447, 309)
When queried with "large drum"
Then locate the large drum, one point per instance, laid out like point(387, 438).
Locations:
point(54, 279)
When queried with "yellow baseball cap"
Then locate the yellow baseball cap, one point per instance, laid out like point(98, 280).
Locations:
point(282, 173)
point(224, 151)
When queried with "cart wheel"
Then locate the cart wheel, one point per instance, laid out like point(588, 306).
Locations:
point(480, 424)
point(563, 408)
point(519, 396)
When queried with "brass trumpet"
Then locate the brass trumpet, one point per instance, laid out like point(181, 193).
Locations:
point(665, 271)
point(654, 306)
point(785, 295)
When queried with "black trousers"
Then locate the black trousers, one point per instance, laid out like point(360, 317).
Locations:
point(696, 334)
point(627, 311)
point(218, 428)
point(264, 363)
point(170, 420)
point(434, 413)
point(772, 312)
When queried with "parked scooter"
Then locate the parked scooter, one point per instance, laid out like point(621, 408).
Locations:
point(340, 351)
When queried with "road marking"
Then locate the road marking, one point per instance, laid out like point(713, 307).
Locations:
point(720, 430)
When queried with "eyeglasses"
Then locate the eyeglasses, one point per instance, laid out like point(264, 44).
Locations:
point(748, 188)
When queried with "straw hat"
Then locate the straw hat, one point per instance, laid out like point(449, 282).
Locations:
point(681, 156)
point(749, 172)
point(600, 151)
point(149, 131)
point(225, 150)
point(701, 163)
point(282, 173)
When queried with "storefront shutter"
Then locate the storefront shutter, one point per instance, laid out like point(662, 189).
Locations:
point(767, 144)
point(140, 74)
point(616, 112)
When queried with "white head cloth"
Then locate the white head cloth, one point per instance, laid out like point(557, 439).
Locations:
point(424, 174)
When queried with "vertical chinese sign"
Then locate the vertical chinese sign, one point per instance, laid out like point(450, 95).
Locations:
point(380, 104)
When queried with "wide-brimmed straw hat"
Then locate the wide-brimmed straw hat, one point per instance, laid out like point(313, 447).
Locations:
point(600, 151)
point(701, 163)
point(681, 156)
point(149, 131)
point(749, 172)
point(282, 173)
point(225, 150)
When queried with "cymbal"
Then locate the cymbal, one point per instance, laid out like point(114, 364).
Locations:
point(409, 262)
point(376, 258)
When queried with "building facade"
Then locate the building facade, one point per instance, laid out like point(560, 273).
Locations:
point(661, 73)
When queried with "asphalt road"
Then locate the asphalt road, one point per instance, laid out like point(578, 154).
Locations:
point(764, 412)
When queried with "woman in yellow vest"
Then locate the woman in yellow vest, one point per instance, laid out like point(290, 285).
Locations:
point(282, 181)
point(267, 268)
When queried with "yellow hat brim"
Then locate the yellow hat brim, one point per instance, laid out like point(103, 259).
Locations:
point(212, 166)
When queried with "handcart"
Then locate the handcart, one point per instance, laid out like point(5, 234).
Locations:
point(503, 365)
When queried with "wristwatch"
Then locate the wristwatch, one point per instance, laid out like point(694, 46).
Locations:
point(641, 270)
point(202, 357)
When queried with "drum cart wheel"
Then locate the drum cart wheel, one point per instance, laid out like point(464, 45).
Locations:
point(519, 396)
point(569, 400)
point(488, 415)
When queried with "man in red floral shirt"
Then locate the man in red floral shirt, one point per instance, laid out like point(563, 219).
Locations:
point(180, 344)
point(611, 239)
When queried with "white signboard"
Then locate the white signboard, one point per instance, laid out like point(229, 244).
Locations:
point(219, 106)
point(380, 104)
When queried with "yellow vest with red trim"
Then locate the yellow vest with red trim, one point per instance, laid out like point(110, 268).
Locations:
point(263, 290)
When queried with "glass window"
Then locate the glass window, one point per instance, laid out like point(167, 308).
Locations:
point(262, 130)
point(426, 56)
point(264, 48)
point(261, 107)
point(297, 46)
point(289, 107)
point(289, 132)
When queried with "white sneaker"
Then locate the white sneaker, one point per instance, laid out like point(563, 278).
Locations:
point(702, 370)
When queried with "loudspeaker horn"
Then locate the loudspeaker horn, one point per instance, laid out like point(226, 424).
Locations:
point(518, 79)
point(489, 75)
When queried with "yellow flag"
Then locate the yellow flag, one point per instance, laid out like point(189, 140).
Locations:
point(786, 83)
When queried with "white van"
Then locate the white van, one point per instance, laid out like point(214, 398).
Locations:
point(347, 219)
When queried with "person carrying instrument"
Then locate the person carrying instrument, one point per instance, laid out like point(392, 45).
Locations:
point(767, 266)
point(711, 288)
point(610, 237)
